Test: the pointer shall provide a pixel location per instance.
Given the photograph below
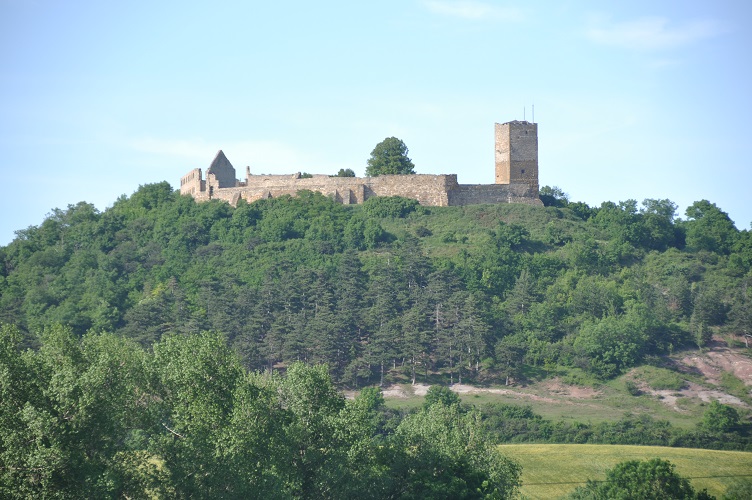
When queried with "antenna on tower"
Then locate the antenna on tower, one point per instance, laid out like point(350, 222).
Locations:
point(533, 113)
point(523, 113)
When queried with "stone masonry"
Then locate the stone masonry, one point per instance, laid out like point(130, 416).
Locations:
point(516, 179)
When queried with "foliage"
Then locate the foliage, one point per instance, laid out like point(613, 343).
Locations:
point(389, 157)
point(740, 490)
point(102, 417)
point(640, 480)
point(554, 470)
point(439, 394)
point(389, 206)
point(553, 196)
point(709, 228)
point(719, 417)
point(345, 172)
point(612, 344)
point(497, 289)
point(662, 379)
point(507, 423)
point(446, 458)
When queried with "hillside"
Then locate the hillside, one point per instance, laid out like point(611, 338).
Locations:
point(617, 324)
point(389, 291)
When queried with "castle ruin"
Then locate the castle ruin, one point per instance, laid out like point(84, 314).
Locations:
point(516, 179)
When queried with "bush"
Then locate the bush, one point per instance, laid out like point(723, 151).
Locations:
point(733, 385)
point(422, 231)
point(719, 418)
point(632, 388)
point(661, 379)
point(440, 394)
point(638, 480)
point(389, 206)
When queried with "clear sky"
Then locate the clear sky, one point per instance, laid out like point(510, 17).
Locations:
point(636, 99)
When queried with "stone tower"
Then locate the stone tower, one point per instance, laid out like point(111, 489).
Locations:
point(517, 153)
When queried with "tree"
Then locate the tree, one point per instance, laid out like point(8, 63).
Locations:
point(612, 344)
point(553, 196)
point(739, 490)
point(740, 315)
point(709, 228)
point(389, 157)
point(345, 172)
point(658, 223)
point(719, 417)
point(438, 394)
point(509, 358)
point(442, 452)
point(640, 480)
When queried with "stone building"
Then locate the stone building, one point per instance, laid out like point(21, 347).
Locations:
point(516, 179)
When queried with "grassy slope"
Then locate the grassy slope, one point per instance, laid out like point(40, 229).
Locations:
point(609, 402)
point(573, 464)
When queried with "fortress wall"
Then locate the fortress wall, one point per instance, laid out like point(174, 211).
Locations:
point(516, 179)
point(473, 194)
point(429, 190)
point(191, 183)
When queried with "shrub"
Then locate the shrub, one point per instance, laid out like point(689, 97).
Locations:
point(636, 480)
point(422, 231)
point(661, 379)
point(632, 388)
point(389, 206)
point(719, 417)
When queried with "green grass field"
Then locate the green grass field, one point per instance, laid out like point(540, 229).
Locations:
point(611, 403)
point(553, 470)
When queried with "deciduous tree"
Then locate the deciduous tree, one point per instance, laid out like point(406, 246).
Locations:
point(389, 157)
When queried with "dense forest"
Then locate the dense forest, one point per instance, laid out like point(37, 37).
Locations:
point(389, 290)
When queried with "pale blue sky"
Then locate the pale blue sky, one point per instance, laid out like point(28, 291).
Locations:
point(637, 99)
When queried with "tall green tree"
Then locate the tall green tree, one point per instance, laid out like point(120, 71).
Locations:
point(442, 453)
point(709, 228)
point(389, 157)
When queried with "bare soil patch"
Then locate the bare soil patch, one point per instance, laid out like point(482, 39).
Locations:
point(555, 386)
point(718, 359)
point(711, 364)
point(404, 391)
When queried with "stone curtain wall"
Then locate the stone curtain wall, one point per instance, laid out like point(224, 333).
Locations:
point(429, 190)
point(473, 194)
point(191, 183)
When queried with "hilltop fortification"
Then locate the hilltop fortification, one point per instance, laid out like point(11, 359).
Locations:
point(516, 179)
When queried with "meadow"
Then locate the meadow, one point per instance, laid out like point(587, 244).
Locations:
point(553, 470)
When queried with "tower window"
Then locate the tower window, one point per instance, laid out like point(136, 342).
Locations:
point(522, 171)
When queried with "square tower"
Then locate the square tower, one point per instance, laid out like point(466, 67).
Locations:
point(517, 153)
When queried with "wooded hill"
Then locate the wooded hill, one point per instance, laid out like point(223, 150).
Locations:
point(389, 290)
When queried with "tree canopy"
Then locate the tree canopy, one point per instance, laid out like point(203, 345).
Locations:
point(101, 417)
point(387, 288)
point(640, 480)
point(389, 157)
